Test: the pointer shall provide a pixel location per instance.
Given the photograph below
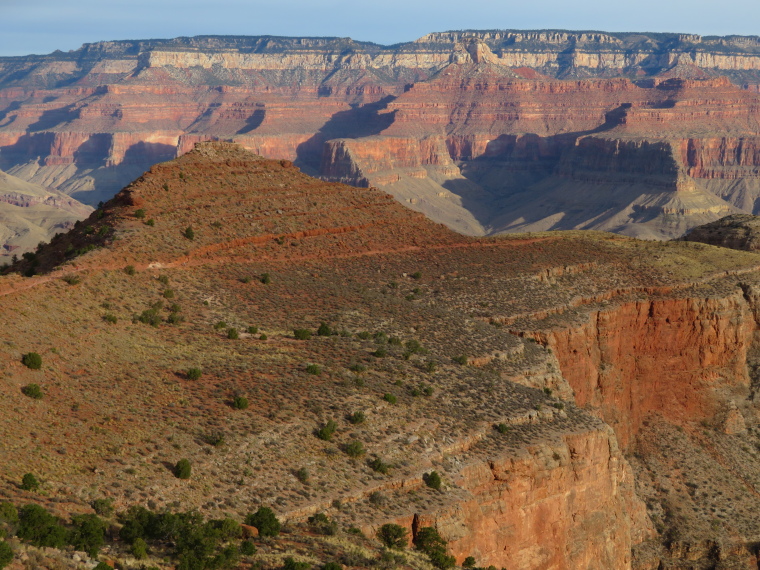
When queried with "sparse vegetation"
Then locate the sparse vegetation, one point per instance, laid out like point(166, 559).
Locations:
point(302, 334)
point(354, 449)
point(393, 536)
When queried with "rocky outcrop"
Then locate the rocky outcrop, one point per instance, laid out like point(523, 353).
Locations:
point(739, 231)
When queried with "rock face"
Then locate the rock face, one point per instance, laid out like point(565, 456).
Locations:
point(30, 214)
point(484, 131)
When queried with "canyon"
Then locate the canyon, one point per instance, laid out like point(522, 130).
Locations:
point(589, 400)
point(488, 132)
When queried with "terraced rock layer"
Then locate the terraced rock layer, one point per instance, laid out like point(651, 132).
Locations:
point(484, 131)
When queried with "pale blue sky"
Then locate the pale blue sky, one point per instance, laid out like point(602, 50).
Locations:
point(41, 26)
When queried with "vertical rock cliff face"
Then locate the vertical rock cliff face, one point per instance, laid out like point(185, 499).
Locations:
point(683, 359)
point(576, 495)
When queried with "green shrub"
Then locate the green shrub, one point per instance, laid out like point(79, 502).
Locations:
point(253, 330)
point(140, 213)
point(380, 353)
point(182, 469)
point(194, 373)
point(240, 403)
point(502, 428)
point(291, 564)
point(469, 562)
point(72, 279)
point(104, 566)
point(263, 337)
point(110, 318)
point(390, 398)
point(8, 513)
point(358, 368)
point(430, 542)
point(416, 275)
point(460, 360)
point(168, 294)
point(29, 482)
point(326, 432)
point(41, 528)
point(6, 554)
point(302, 334)
point(354, 449)
point(87, 533)
point(428, 390)
point(103, 507)
point(189, 233)
point(220, 325)
point(265, 278)
point(265, 521)
point(151, 222)
point(364, 335)
point(139, 549)
point(377, 464)
point(314, 369)
point(32, 360)
point(432, 480)
point(357, 417)
point(247, 548)
point(324, 330)
point(163, 279)
point(393, 536)
point(232, 334)
point(302, 475)
point(150, 317)
point(332, 566)
point(33, 391)
point(174, 318)
point(129, 270)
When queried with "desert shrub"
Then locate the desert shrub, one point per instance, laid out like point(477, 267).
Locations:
point(314, 369)
point(40, 528)
point(291, 564)
point(89, 230)
point(232, 334)
point(33, 391)
point(182, 469)
point(326, 432)
point(189, 233)
point(129, 270)
point(228, 528)
point(247, 548)
point(194, 373)
point(392, 536)
point(220, 325)
point(432, 480)
point(29, 482)
point(357, 367)
point(139, 549)
point(502, 428)
point(87, 533)
point(32, 360)
point(168, 294)
point(150, 317)
point(460, 359)
point(104, 566)
point(416, 275)
point(431, 543)
point(163, 279)
point(381, 337)
point(394, 341)
point(324, 330)
point(469, 562)
point(357, 417)
point(110, 318)
point(103, 507)
point(6, 554)
point(380, 353)
point(8, 513)
point(265, 521)
point(413, 347)
point(253, 330)
point(332, 566)
point(378, 465)
point(265, 278)
point(72, 279)
point(354, 449)
point(322, 524)
point(215, 438)
point(390, 398)
point(364, 335)
point(302, 475)
point(175, 318)
point(140, 213)
point(240, 403)
point(263, 337)
point(302, 334)
point(151, 222)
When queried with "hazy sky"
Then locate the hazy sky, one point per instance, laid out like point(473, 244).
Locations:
point(42, 26)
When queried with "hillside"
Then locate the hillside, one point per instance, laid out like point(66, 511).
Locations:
point(620, 375)
point(640, 134)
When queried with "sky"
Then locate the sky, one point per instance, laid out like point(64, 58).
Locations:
point(43, 26)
